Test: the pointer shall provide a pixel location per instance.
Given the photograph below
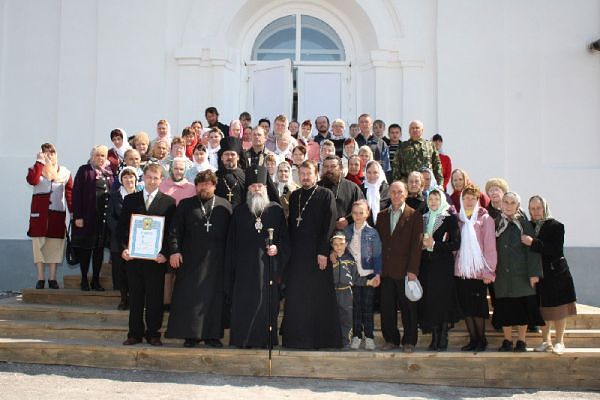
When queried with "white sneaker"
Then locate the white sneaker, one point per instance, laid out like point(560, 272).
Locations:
point(369, 344)
point(559, 348)
point(355, 345)
point(545, 346)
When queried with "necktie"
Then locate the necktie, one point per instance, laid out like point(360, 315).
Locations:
point(148, 201)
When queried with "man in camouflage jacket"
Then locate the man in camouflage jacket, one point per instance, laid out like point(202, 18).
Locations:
point(416, 153)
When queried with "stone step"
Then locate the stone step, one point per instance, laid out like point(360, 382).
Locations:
point(73, 281)
point(41, 329)
point(71, 296)
point(102, 307)
point(487, 369)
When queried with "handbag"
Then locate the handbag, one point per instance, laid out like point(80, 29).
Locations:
point(413, 289)
point(71, 255)
point(559, 266)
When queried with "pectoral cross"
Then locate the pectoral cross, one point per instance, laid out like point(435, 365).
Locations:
point(208, 225)
point(229, 196)
point(298, 221)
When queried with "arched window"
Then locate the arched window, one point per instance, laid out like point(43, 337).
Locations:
point(299, 38)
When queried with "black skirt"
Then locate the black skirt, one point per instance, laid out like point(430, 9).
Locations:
point(472, 298)
point(556, 289)
point(513, 311)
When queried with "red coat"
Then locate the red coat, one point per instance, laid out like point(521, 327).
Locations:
point(49, 203)
point(446, 169)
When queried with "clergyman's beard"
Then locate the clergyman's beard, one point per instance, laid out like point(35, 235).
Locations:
point(331, 178)
point(257, 202)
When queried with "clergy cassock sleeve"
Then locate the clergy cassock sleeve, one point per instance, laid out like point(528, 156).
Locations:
point(327, 223)
point(177, 229)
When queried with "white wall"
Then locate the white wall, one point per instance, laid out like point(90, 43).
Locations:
point(508, 83)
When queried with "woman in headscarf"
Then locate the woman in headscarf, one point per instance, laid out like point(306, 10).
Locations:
point(163, 132)
point(375, 188)
point(556, 288)
point(52, 186)
point(214, 145)
point(439, 305)
point(459, 179)
point(285, 185)
point(200, 163)
point(116, 155)
point(356, 170)
point(90, 209)
point(350, 149)
point(191, 140)
point(519, 270)
point(236, 129)
point(128, 179)
point(475, 265)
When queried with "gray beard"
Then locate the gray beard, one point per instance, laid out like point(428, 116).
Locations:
point(257, 202)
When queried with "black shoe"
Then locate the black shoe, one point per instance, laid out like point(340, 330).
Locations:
point(40, 284)
point(123, 304)
point(521, 346)
point(213, 343)
point(481, 345)
point(533, 329)
point(472, 345)
point(190, 343)
point(443, 338)
point(507, 345)
point(435, 338)
point(96, 285)
point(52, 284)
point(85, 285)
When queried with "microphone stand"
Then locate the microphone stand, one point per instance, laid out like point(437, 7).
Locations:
point(269, 296)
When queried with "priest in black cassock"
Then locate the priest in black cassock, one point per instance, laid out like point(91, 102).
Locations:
point(252, 261)
point(311, 319)
point(231, 185)
point(197, 241)
point(345, 192)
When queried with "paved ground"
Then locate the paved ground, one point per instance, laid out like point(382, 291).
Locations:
point(22, 382)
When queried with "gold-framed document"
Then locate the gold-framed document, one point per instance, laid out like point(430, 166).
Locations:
point(145, 236)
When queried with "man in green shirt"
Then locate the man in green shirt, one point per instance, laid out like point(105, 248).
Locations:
point(416, 153)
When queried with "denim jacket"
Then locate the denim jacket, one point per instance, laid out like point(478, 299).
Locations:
point(370, 247)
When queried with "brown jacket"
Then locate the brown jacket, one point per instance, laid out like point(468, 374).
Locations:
point(401, 249)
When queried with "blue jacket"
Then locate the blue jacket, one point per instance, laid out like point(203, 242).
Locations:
point(370, 247)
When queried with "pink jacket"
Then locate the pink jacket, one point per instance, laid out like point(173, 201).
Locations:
point(178, 190)
point(485, 229)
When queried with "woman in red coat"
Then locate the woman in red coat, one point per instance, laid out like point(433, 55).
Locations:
point(52, 185)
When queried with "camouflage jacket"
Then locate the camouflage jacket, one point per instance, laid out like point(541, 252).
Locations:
point(413, 155)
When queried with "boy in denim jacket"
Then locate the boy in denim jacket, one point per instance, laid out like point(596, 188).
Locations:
point(344, 273)
point(364, 245)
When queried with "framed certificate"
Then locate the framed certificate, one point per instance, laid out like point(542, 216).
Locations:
point(145, 236)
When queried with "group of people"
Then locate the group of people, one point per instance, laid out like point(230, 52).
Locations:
point(336, 224)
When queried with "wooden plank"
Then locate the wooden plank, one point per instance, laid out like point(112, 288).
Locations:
point(73, 281)
point(71, 296)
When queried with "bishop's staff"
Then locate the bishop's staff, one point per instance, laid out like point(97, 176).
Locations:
point(269, 298)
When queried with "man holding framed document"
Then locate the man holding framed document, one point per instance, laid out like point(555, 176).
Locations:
point(144, 218)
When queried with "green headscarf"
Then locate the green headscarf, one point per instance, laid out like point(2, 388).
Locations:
point(434, 215)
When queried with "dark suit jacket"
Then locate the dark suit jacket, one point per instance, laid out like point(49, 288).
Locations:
point(401, 249)
point(162, 205)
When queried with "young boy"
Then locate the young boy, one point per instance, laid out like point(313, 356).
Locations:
point(364, 245)
point(344, 271)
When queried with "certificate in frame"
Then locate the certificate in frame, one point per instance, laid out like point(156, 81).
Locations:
point(145, 236)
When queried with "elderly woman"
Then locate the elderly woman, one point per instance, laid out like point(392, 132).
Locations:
point(128, 178)
point(178, 151)
point(415, 198)
point(141, 143)
point(285, 185)
point(356, 170)
point(519, 270)
point(475, 265)
point(52, 185)
point(556, 288)
point(116, 155)
point(441, 238)
point(495, 189)
point(338, 136)
point(90, 210)
point(376, 190)
point(459, 179)
point(283, 148)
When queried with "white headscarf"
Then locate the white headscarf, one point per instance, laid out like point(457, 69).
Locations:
point(124, 146)
point(471, 260)
point(373, 195)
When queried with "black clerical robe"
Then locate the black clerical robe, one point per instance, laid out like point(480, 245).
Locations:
point(311, 319)
point(198, 295)
point(234, 181)
point(248, 269)
point(345, 193)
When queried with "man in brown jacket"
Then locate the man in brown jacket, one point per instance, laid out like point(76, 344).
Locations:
point(401, 230)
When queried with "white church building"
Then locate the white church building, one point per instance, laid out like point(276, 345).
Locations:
point(510, 84)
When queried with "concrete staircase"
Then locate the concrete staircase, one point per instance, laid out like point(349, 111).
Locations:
point(71, 327)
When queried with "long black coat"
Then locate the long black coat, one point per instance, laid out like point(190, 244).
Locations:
point(554, 289)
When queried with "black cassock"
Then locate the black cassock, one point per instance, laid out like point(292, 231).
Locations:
point(198, 295)
point(234, 181)
point(345, 193)
point(311, 319)
point(247, 274)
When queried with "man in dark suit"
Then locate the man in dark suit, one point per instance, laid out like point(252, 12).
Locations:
point(146, 277)
point(401, 230)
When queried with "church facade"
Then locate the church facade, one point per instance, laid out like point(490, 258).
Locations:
point(510, 85)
